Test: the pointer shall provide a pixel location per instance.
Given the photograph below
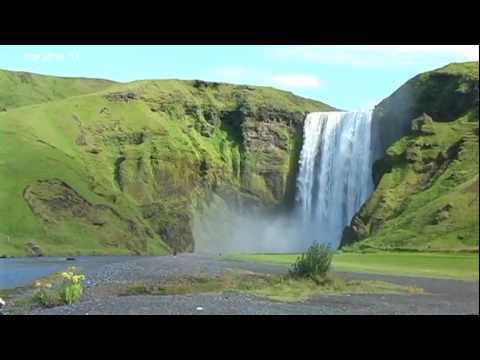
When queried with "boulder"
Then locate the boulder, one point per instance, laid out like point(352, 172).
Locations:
point(81, 140)
point(441, 216)
point(34, 249)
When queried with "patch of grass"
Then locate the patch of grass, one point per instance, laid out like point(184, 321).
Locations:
point(467, 69)
point(45, 298)
point(22, 88)
point(463, 266)
point(286, 259)
point(197, 284)
point(291, 290)
point(274, 287)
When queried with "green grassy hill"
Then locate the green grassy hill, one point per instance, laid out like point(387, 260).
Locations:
point(22, 88)
point(94, 167)
point(426, 196)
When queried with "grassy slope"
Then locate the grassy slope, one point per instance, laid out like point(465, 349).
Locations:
point(22, 88)
point(414, 224)
point(39, 142)
point(406, 209)
point(441, 265)
point(467, 69)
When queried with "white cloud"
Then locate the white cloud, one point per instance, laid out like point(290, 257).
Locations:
point(252, 76)
point(372, 55)
point(296, 81)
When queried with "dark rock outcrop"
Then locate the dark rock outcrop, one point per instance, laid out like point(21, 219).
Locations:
point(122, 96)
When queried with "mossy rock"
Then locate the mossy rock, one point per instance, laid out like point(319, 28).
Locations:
point(423, 125)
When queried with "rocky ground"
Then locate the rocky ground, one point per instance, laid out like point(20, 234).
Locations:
point(441, 296)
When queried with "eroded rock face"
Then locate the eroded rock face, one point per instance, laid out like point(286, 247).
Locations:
point(172, 223)
point(266, 136)
point(54, 202)
point(272, 141)
point(52, 199)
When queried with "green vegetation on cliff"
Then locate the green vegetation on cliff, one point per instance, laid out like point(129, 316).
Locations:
point(95, 167)
point(426, 195)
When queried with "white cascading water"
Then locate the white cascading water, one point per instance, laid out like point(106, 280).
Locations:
point(335, 176)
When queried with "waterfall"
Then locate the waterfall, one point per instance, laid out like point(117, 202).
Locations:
point(335, 176)
point(333, 181)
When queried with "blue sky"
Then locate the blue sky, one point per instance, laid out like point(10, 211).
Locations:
point(349, 77)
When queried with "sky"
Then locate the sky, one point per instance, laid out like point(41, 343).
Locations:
point(348, 77)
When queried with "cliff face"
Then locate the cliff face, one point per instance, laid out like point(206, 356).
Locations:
point(426, 175)
point(122, 169)
point(445, 94)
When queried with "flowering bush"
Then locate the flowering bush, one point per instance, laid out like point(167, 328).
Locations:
point(67, 290)
point(71, 289)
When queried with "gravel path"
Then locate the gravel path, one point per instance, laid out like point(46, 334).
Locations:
point(442, 296)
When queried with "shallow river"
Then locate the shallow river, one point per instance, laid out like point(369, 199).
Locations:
point(15, 272)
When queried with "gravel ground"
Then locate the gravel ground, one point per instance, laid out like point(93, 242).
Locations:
point(441, 297)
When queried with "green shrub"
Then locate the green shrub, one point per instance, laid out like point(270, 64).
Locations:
point(313, 264)
point(45, 298)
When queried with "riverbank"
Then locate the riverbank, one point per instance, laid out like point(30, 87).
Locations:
point(105, 282)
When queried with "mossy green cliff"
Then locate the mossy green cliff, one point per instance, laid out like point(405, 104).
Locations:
point(96, 167)
point(426, 175)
